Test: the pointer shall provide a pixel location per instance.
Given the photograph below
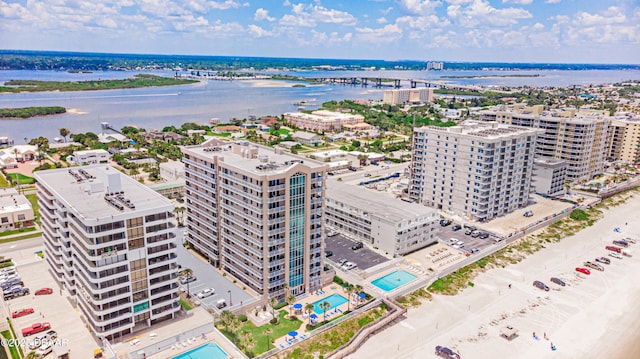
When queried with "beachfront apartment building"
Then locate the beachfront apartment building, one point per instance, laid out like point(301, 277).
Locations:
point(109, 242)
point(624, 144)
point(323, 120)
point(15, 210)
point(581, 138)
point(549, 176)
point(257, 214)
point(404, 96)
point(477, 170)
point(378, 220)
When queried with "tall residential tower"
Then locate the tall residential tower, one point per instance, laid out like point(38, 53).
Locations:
point(110, 244)
point(257, 214)
point(476, 170)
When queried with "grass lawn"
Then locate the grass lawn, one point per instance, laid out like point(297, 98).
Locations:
point(185, 305)
point(22, 178)
point(16, 231)
point(222, 134)
point(18, 238)
point(3, 182)
point(12, 349)
point(281, 329)
point(282, 131)
point(33, 198)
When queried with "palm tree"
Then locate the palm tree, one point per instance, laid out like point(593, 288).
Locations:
point(244, 336)
point(273, 301)
point(15, 153)
point(350, 289)
point(234, 326)
point(267, 333)
point(358, 291)
point(64, 133)
point(324, 306)
point(309, 307)
point(290, 300)
point(249, 344)
point(188, 274)
point(225, 318)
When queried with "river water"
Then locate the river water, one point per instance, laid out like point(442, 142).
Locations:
point(154, 108)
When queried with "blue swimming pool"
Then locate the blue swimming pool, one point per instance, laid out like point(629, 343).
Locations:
point(394, 280)
point(207, 351)
point(334, 299)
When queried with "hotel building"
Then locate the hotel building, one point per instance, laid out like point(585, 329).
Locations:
point(389, 224)
point(403, 96)
point(624, 145)
point(580, 138)
point(109, 242)
point(257, 214)
point(322, 120)
point(476, 170)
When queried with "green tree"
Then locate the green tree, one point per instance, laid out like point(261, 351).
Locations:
point(291, 298)
point(324, 306)
point(267, 333)
point(309, 307)
point(350, 289)
point(64, 132)
point(273, 302)
point(188, 274)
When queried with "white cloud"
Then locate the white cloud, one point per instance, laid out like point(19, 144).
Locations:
point(224, 5)
point(552, 1)
point(262, 14)
point(332, 16)
point(480, 12)
point(381, 20)
point(612, 15)
point(305, 15)
point(538, 26)
point(386, 34)
point(257, 31)
point(518, 2)
point(387, 10)
point(419, 7)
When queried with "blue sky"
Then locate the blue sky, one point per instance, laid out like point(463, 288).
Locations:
point(545, 31)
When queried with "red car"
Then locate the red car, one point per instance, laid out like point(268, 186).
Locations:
point(613, 249)
point(36, 328)
point(21, 312)
point(583, 270)
point(43, 291)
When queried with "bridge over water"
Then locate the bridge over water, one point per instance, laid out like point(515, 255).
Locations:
point(379, 82)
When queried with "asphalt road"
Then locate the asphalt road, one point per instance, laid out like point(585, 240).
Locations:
point(445, 233)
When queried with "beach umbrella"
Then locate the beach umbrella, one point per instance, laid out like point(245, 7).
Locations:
point(297, 306)
point(313, 316)
point(362, 295)
point(293, 333)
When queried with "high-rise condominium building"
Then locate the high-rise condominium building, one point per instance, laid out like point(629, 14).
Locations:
point(435, 65)
point(109, 242)
point(624, 144)
point(579, 138)
point(257, 214)
point(403, 96)
point(476, 170)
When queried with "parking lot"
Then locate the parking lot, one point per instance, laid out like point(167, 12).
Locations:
point(341, 248)
point(53, 308)
point(446, 233)
point(208, 277)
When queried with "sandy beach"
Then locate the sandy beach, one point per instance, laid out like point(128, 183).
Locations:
point(593, 316)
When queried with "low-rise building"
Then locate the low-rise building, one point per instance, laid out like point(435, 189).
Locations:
point(89, 157)
point(172, 170)
point(383, 222)
point(307, 138)
point(549, 176)
point(15, 210)
point(323, 120)
point(11, 156)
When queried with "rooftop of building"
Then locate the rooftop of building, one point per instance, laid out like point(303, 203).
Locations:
point(381, 205)
point(100, 191)
point(12, 201)
point(251, 157)
point(548, 161)
point(489, 130)
point(84, 152)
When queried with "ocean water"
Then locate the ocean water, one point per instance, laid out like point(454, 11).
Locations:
point(154, 108)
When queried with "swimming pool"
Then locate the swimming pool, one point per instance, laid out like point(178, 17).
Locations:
point(207, 351)
point(394, 280)
point(334, 299)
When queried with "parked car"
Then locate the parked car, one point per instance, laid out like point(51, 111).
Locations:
point(21, 312)
point(349, 266)
point(15, 292)
point(12, 283)
point(342, 261)
point(44, 291)
point(630, 240)
point(458, 245)
point(475, 234)
point(613, 249)
point(36, 328)
point(558, 281)
point(446, 353)
point(45, 349)
point(469, 231)
point(328, 254)
point(604, 260)
point(595, 266)
point(51, 335)
point(615, 255)
point(538, 284)
point(185, 280)
point(37, 342)
point(621, 243)
point(207, 292)
point(627, 252)
point(583, 270)
point(357, 245)
point(484, 235)
point(474, 250)
point(445, 222)
point(456, 227)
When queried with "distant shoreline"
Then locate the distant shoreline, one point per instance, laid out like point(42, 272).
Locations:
point(24, 113)
point(488, 76)
point(138, 81)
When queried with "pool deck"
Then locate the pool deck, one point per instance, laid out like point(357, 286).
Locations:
point(333, 288)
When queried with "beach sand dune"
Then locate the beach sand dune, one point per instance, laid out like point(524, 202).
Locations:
point(593, 316)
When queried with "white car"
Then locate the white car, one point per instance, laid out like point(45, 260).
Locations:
point(206, 293)
point(615, 255)
point(349, 266)
point(630, 240)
